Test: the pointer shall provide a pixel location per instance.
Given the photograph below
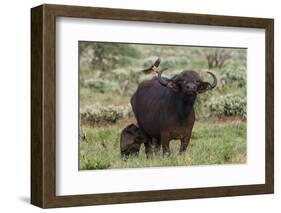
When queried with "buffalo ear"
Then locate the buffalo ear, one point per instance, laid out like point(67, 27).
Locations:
point(173, 86)
point(203, 87)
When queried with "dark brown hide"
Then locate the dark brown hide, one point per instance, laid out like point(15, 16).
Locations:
point(131, 139)
point(165, 109)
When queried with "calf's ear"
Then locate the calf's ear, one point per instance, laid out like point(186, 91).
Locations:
point(203, 87)
point(173, 85)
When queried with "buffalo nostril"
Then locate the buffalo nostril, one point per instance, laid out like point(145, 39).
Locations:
point(191, 87)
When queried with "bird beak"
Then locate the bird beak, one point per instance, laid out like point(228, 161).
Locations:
point(155, 69)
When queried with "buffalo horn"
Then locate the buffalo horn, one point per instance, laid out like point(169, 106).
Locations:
point(214, 84)
point(161, 80)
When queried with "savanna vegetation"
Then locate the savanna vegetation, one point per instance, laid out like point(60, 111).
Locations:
point(111, 72)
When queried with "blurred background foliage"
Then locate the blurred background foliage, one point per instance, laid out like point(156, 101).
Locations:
point(111, 72)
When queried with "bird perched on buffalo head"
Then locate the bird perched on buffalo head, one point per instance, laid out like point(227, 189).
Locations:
point(153, 68)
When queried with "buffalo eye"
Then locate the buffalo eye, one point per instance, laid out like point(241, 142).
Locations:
point(197, 82)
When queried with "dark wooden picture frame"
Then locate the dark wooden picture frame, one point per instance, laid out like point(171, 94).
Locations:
point(43, 105)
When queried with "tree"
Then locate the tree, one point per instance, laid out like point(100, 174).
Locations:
point(217, 58)
point(106, 56)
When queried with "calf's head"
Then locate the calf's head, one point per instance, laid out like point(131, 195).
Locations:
point(188, 82)
point(130, 141)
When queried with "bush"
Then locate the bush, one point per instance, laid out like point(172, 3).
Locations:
point(236, 75)
point(121, 75)
point(230, 105)
point(105, 114)
point(102, 85)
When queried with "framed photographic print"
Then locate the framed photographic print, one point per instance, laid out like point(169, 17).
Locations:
point(136, 106)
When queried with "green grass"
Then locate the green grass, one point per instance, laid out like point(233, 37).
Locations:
point(88, 98)
point(212, 142)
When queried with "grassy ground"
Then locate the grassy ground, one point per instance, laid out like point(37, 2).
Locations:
point(212, 142)
point(89, 98)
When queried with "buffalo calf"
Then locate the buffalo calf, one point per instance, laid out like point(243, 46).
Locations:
point(130, 140)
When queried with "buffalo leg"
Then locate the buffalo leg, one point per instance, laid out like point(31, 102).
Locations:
point(156, 145)
point(165, 142)
point(184, 143)
point(148, 149)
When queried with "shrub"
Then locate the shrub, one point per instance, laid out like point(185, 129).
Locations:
point(101, 85)
point(229, 105)
point(121, 75)
point(105, 114)
point(236, 75)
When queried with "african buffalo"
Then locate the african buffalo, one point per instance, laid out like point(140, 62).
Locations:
point(164, 108)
